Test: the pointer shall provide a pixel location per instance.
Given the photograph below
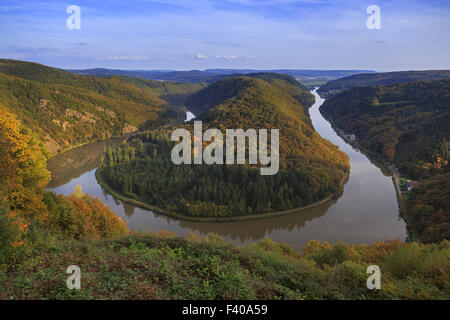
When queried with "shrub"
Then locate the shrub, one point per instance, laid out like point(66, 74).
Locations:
point(337, 254)
point(10, 235)
point(82, 216)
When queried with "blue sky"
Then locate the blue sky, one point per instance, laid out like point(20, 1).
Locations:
point(200, 34)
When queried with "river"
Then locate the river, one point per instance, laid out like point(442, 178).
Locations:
point(366, 212)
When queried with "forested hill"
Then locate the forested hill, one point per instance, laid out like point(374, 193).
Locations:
point(65, 109)
point(311, 168)
point(388, 78)
point(407, 123)
point(236, 85)
point(265, 101)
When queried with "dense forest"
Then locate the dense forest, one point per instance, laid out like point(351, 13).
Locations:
point(144, 171)
point(311, 167)
point(65, 109)
point(383, 78)
point(407, 123)
point(429, 208)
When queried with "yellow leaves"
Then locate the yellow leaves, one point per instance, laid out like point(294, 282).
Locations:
point(28, 202)
point(22, 168)
point(314, 246)
point(22, 156)
point(78, 192)
point(213, 238)
point(91, 218)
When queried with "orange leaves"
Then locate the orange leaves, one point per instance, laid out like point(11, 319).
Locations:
point(90, 218)
point(21, 225)
point(24, 226)
point(18, 243)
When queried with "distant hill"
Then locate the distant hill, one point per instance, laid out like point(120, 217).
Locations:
point(311, 168)
point(334, 87)
point(408, 123)
point(66, 109)
point(191, 76)
point(222, 90)
point(212, 75)
point(173, 93)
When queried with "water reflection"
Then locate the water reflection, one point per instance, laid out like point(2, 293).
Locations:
point(74, 163)
point(366, 212)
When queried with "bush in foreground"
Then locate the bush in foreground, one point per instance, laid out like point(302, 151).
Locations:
point(162, 266)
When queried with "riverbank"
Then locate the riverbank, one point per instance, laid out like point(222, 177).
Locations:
point(70, 148)
point(403, 207)
point(384, 165)
point(158, 210)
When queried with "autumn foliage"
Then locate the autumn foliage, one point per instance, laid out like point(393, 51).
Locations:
point(24, 203)
point(83, 217)
point(429, 208)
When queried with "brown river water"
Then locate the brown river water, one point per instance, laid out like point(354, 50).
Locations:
point(366, 212)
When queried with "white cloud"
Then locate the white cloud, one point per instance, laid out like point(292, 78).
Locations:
point(225, 57)
point(129, 58)
point(230, 57)
point(200, 56)
point(216, 56)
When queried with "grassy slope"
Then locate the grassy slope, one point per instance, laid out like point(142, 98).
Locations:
point(164, 267)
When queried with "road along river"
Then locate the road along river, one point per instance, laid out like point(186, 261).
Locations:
point(366, 212)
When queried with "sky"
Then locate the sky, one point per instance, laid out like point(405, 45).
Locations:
point(253, 34)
